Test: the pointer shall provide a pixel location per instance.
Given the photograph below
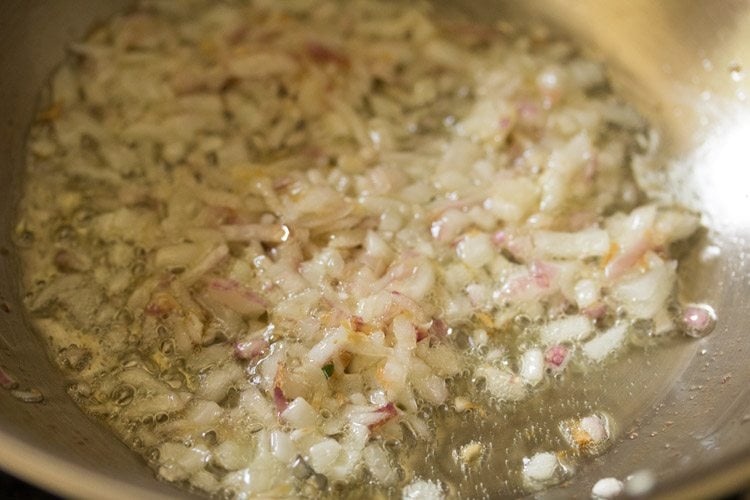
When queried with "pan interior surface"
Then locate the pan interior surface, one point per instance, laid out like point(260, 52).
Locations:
point(681, 411)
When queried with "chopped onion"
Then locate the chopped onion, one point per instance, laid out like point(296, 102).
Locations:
point(556, 357)
point(587, 293)
point(236, 297)
point(590, 434)
point(271, 233)
point(605, 343)
point(333, 342)
point(533, 284)
point(274, 233)
point(644, 295)
point(502, 384)
point(382, 415)
point(422, 490)
point(299, 414)
point(6, 381)
point(211, 259)
point(532, 366)
point(580, 245)
point(250, 349)
point(280, 400)
point(324, 454)
point(540, 468)
point(607, 488)
point(379, 464)
point(475, 249)
point(570, 328)
point(179, 461)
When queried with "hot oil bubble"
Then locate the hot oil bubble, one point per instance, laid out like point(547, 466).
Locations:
point(152, 454)
point(123, 395)
point(75, 358)
point(698, 320)
point(522, 321)
point(211, 437)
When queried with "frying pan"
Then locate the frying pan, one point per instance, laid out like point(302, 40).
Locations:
point(682, 411)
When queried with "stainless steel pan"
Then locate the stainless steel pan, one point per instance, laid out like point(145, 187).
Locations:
point(683, 412)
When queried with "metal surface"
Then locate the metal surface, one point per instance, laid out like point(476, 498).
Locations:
point(682, 411)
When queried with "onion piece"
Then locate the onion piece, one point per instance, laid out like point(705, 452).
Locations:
point(607, 488)
point(324, 454)
point(280, 400)
point(475, 249)
point(625, 261)
point(540, 468)
point(378, 463)
point(595, 311)
point(587, 292)
point(580, 245)
point(383, 415)
point(178, 255)
point(605, 343)
point(556, 357)
point(6, 381)
point(403, 303)
point(208, 262)
point(267, 233)
point(161, 303)
point(180, 462)
point(589, 435)
point(418, 281)
point(298, 413)
point(644, 295)
point(282, 446)
point(250, 349)
point(423, 490)
point(439, 329)
point(323, 54)
point(501, 384)
point(532, 285)
point(569, 328)
point(236, 297)
point(31, 395)
point(532, 366)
